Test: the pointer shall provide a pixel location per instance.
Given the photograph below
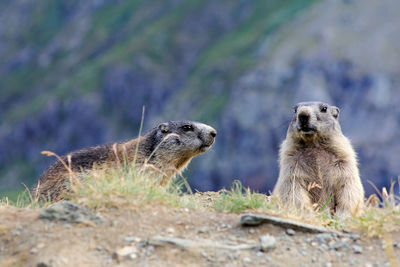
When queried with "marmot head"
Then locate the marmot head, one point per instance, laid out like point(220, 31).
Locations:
point(314, 118)
point(181, 140)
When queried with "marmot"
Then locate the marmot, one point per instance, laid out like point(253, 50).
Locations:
point(168, 147)
point(318, 165)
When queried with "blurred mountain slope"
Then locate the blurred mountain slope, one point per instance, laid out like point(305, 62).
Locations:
point(77, 73)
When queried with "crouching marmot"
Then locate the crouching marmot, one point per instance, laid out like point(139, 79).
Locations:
point(168, 148)
point(318, 166)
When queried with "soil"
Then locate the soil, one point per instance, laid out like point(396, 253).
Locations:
point(126, 238)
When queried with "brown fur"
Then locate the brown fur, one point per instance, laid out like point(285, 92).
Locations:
point(168, 148)
point(317, 161)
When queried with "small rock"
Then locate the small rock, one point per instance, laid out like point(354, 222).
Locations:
point(43, 264)
point(16, 233)
point(132, 256)
point(368, 264)
point(339, 246)
point(34, 250)
point(324, 246)
point(170, 230)
point(355, 237)
point(259, 253)
point(268, 258)
point(290, 232)
point(396, 245)
point(251, 231)
point(303, 252)
point(357, 249)
point(149, 250)
point(203, 230)
point(69, 212)
point(128, 252)
point(345, 240)
point(308, 240)
point(328, 264)
point(189, 227)
point(323, 238)
point(246, 260)
point(267, 242)
point(131, 239)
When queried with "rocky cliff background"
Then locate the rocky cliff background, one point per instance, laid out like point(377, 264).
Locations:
point(77, 73)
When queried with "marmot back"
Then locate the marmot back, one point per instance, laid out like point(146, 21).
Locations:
point(318, 165)
point(168, 147)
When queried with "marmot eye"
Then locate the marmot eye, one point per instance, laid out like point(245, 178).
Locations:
point(295, 110)
point(324, 109)
point(187, 128)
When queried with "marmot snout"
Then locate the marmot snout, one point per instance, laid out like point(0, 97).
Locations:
point(168, 147)
point(318, 165)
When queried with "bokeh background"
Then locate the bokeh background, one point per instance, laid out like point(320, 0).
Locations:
point(77, 73)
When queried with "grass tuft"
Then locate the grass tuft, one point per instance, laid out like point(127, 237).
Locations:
point(239, 199)
point(128, 185)
point(382, 213)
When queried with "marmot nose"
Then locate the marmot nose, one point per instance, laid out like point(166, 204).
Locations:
point(304, 118)
point(213, 133)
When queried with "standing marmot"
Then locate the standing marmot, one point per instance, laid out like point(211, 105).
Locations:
point(168, 147)
point(317, 162)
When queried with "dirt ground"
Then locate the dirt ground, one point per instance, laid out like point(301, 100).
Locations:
point(126, 238)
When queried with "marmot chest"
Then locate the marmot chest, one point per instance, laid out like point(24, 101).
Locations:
point(314, 164)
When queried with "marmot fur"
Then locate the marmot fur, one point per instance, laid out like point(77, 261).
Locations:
point(168, 148)
point(318, 165)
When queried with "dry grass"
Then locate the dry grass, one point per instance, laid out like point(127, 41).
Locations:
point(129, 185)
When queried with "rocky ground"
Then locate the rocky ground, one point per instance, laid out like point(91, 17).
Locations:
point(164, 236)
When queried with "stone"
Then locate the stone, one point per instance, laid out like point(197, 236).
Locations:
point(188, 244)
point(203, 230)
point(354, 237)
point(247, 260)
point(267, 242)
point(257, 219)
point(323, 238)
point(131, 239)
point(69, 212)
point(127, 252)
point(357, 249)
point(290, 232)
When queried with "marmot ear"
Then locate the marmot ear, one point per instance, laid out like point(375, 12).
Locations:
point(164, 127)
point(335, 112)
